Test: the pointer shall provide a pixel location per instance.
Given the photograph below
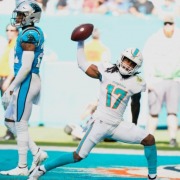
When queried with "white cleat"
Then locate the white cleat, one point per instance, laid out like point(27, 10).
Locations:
point(18, 171)
point(36, 173)
point(38, 159)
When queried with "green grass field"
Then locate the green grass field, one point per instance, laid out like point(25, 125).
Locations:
point(56, 137)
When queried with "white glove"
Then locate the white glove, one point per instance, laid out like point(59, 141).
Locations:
point(6, 98)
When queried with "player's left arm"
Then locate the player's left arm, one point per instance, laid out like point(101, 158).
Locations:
point(27, 60)
point(135, 107)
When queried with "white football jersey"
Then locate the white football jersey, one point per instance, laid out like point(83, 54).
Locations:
point(114, 94)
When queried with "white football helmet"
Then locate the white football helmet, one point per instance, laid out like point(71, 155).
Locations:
point(135, 56)
point(26, 13)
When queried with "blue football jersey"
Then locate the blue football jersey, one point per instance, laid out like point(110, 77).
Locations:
point(33, 35)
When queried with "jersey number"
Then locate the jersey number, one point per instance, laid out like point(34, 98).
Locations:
point(111, 90)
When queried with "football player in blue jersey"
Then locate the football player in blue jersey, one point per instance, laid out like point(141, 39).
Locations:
point(118, 83)
point(24, 91)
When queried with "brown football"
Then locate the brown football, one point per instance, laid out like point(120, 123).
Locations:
point(82, 32)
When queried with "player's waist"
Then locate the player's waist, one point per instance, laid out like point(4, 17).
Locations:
point(109, 118)
point(114, 122)
point(34, 70)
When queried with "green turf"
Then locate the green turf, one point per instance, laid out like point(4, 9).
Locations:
point(56, 137)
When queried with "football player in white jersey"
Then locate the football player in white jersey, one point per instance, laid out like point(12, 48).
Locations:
point(162, 71)
point(25, 89)
point(118, 83)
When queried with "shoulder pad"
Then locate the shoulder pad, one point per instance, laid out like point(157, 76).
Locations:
point(139, 79)
point(31, 36)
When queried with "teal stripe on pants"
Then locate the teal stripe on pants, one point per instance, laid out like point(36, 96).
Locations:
point(22, 95)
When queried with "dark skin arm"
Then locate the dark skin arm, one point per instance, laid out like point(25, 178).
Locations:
point(93, 71)
point(28, 47)
point(135, 107)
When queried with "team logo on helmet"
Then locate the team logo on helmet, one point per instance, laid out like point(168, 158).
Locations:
point(134, 53)
point(35, 7)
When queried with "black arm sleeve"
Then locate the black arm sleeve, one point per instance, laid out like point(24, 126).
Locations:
point(135, 107)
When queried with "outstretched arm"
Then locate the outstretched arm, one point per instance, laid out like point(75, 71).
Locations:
point(90, 69)
point(27, 60)
point(135, 107)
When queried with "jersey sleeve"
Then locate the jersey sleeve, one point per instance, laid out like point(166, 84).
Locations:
point(138, 85)
point(102, 68)
point(31, 36)
point(142, 84)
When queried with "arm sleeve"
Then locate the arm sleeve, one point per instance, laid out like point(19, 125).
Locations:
point(135, 107)
point(81, 58)
point(27, 60)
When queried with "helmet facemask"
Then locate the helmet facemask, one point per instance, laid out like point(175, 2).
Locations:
point(127, 67)
point(18, 19)
point(130, 61)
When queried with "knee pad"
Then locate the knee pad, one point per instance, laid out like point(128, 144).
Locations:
point(21, 126)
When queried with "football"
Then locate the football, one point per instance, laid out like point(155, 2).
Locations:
point(82, 32)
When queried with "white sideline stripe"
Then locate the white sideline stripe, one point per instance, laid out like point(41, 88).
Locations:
point(98, 150)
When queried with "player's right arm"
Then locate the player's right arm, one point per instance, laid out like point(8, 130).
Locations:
point(90, 69)
point(27, 60)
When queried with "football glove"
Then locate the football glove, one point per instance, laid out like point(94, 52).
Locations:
point(6, 99)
